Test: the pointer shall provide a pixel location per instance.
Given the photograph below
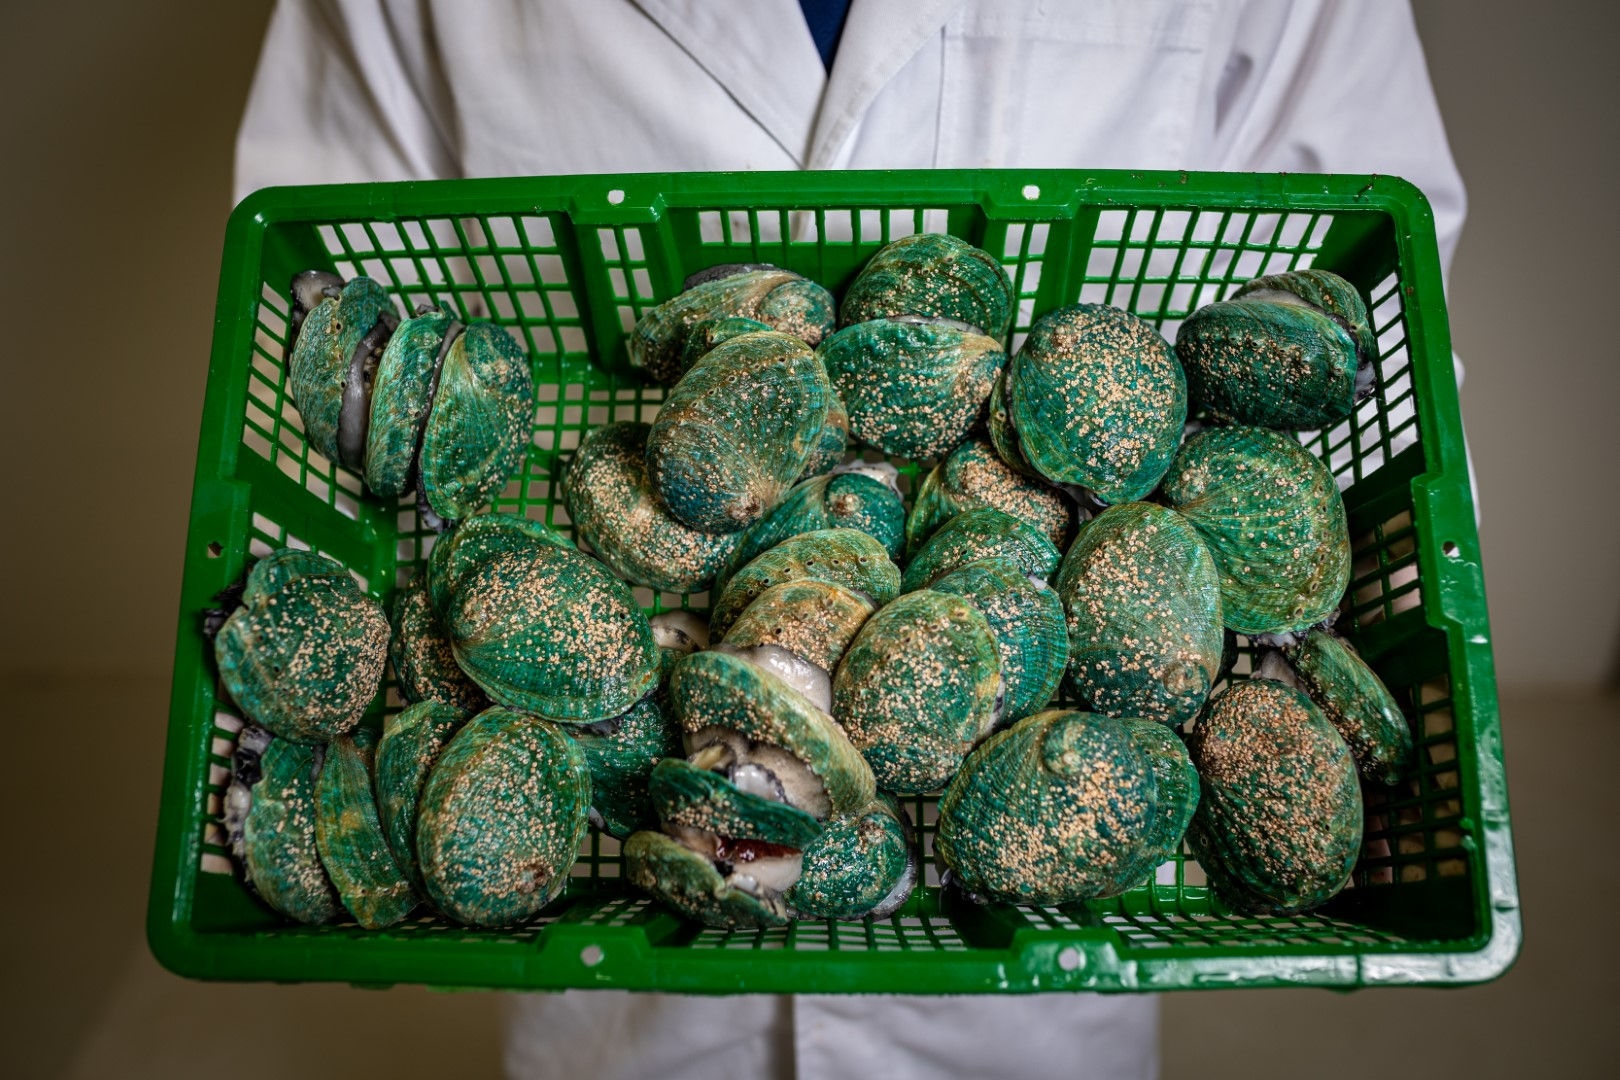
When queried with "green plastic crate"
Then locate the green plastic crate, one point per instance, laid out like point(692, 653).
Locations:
point(568, 264)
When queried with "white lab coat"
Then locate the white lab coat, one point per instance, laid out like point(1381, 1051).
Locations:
point(367, 90)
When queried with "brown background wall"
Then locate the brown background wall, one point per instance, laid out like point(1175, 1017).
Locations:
point(118, 130)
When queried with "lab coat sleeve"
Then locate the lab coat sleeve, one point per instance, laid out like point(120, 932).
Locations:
point(1337, 86)
point(344, 92)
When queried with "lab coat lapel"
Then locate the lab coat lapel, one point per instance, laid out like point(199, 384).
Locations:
point(879, 38)
point(760, 51)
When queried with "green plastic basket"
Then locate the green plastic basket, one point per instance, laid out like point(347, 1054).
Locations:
point(568, 264)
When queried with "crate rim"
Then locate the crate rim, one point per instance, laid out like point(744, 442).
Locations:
point(1044, 960)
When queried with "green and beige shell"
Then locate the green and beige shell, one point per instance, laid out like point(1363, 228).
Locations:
point(933, 275)
point(846, 557)
point(476, 541)
point(1271, 515)
point(1356, 702)
point(813, 620)
point(919, 687)
point(687, 796)
point(620, 517)
point(1026, 619)
point(350, 837)
point(338, 334)
point(424, 661)
point(1291, 350)
point(1055, 809)
point(779, 299)
point(704, 885)
point(1279, 823)
point(984, 533)
point(974, 476)
point(502, 818)
point(738, 430)
point(477, 429)
point(412, 740)
point(1143, 606)
point(1096, 399)
point(913, 387)
point(270, 812)
point(861, 496)
point(304, 654)
point(862, 866)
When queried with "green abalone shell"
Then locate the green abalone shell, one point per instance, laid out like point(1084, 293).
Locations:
point(984, 533)
point(846, 557)
point(935, 275)
point(618, 513)
point(1356, 702)
point(318, 369)
point(279, 854)
point(974, 476)
point(1054, 809)
point(706, 334)
point(1176, 792)
point(502, 818)
point(1286, 351)
point(1143, 605)
point(412, 740)
point(304, 654)
point(1097, 399)
point(476, 540)
point(350, 838)
point(1026, 620)
point(918, 687)
point(780, 299)
point(1279, 822)
point(737, 431)
point(478, 429)
point(851, 497)
point(863, 865)
point(1272, 517)
point(401, 397)
point(814, 620)
point(685, 796)
point(690, 882)
point(715, 689)
point(621, 754)
point(913, 387)
point(424, 661)
point(548, 630)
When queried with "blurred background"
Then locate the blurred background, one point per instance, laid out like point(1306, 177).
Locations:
point(120, 123)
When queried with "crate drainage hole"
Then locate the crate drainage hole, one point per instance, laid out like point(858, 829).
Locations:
point(1070, 959)
point(591, 955)
point(1450, 548)
point(616, 196)
point(1032, 192)
point(215, 549)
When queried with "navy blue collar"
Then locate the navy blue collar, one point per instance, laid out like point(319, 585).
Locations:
point(826, 19)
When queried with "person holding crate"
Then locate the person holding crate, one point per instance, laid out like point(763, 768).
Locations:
point(360, 90)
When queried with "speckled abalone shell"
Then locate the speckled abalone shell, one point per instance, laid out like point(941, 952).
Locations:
point(304, 654)
point(1272, 517)
point(814, 620)
point(840, 500)
point(621, 754)
point(984, 533)
point(919, 686)
point(1143, 604)
point(1098, 400)
point(722, 690)
point(550, 631)
point(780, 299)
point(833, 441)
point(688, 882)
point(318, 369)
point(1052, 810)
point(412, 740)
point(707, 333)
point(913, 387)
point(424, 662)
point(1356, 702)
point(476, 540)
point(1027, 622)
point(687, 797)
point(279, 853)
point(737, 431)
point(862, 866)
point(973, 476)
point(1176, 791)
point(619, 515)
point(502, 818)
point(478, 429)
point(400, 397)
point(1279, 822)
point(1283, 352)
point(351, 841)
point(936, 275)
point(846, 557)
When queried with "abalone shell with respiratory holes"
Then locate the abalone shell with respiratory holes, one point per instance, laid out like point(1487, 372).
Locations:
point(402, 396)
